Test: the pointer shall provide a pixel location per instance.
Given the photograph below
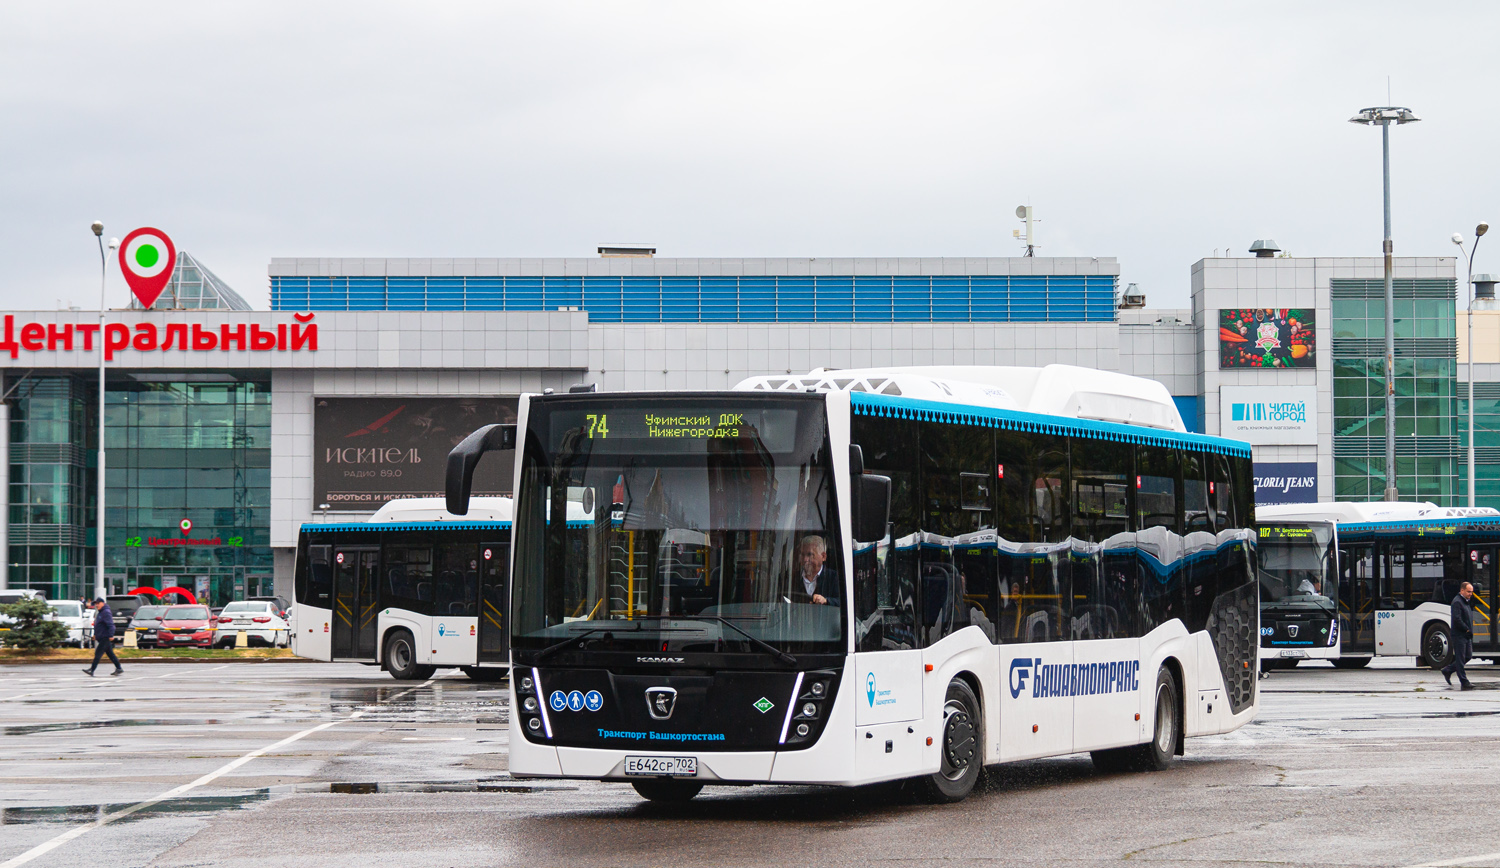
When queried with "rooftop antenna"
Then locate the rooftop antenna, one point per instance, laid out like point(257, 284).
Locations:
point(1028, 214)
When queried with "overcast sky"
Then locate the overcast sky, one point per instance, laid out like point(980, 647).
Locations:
point(1155, 133)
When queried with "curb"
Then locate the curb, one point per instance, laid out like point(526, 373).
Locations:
point(32, 661)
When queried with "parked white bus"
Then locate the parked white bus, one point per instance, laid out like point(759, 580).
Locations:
point(1391, 568)
point(412, 589)
point(858, 576)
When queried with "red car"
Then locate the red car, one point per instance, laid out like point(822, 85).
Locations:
point(184, 626)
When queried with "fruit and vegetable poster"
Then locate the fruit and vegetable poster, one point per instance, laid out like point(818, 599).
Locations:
point(1266, 338)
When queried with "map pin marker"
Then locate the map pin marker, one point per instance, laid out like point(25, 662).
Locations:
point(146, 258)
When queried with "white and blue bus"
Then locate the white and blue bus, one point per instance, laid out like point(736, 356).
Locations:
point(412, 589)
point(1390, 570)
point(861, 576)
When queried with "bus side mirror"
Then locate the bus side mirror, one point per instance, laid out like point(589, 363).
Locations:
point(871, 507)
point(465, 456)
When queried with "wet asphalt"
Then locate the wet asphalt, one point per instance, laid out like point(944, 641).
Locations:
point(1379, 767)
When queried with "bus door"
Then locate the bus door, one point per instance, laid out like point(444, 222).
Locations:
point(1357, 598)
point(1482, 561)
point(356, 576)
point(494, 575)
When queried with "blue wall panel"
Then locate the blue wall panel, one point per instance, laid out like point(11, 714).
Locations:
point(835, 298)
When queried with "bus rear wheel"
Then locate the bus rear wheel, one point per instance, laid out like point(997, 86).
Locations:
point(1156, 754)
point(1437, 646)
point(401, 658)
point(1351, 662)
point(656, 790)
point(962, 755)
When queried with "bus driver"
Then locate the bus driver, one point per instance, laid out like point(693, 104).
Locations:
point(816, 584)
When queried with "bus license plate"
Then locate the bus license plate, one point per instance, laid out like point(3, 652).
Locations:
point(675, 766)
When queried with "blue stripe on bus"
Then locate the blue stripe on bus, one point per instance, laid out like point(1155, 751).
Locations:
point(890, 406)
point(423, 525)
point(1449, 527)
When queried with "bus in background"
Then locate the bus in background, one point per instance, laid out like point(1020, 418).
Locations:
point(870, 575)
point(1297, 573)
point(412, 589)
point(1395, 568)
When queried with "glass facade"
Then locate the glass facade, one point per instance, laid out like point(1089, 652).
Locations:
point(187, 483)
point(51, 508)
point(1062, 298)
point(1427, 431)
point(1486, 444)
point(194, 287)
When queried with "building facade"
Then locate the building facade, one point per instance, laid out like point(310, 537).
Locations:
point(227, 429)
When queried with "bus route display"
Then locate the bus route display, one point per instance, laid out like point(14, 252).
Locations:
point(634, 427)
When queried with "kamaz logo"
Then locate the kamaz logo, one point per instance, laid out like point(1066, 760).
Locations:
point(1072, 679)
point(659, 659)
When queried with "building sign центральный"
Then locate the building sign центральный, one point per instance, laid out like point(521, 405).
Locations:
point(1269, 415)
point(369, 451)
point(35, 337)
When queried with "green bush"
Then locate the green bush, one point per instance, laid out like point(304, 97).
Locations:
point(31, 626)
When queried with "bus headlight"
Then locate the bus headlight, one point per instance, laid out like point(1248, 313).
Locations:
point(526, 683)
point(534, 724)
point(809, 709)
point(802, 730)
point(529, 704)
point(818, 689)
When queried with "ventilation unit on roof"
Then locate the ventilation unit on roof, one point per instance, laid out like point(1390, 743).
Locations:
point(1132, 298)
point(635, 251)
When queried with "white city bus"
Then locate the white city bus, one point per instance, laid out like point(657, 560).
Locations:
point(861, 576)
point(412, 589)
point(1392, 569)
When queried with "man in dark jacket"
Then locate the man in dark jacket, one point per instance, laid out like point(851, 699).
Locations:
point(104, 636)
point(814, 584)
point(1461, 627)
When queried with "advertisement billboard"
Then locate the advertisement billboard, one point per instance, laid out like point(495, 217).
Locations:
point(1272, 337)
point(1286, 482)
point(368, 451)
point(1269, 415)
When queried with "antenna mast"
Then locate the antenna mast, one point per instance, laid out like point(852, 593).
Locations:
point(1026, 213)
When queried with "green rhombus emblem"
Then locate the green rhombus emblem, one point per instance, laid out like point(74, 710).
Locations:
point(764, 705)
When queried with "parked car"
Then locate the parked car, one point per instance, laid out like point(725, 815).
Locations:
point(282, 604)
point(78, 620)
point(183, 626)
point(124, 606)
point(146, 622)
point(260, 620)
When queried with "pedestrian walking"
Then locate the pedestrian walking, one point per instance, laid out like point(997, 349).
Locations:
point(104, 636)
point(1461, 628)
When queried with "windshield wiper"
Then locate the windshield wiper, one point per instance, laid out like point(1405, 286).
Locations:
point(759, 643)
point(577, 639)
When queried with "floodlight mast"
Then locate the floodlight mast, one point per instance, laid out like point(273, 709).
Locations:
point(1384, 116)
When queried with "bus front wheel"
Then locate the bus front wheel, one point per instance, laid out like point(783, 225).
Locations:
point(401, 658)
point(657, 790)
point(1437, 646)
point(962, 757)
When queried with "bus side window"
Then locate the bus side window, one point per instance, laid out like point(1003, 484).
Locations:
point(1158, 546)
point(319, 588)
point(1197, 513)
point(1033, 470)
point(1100, 472)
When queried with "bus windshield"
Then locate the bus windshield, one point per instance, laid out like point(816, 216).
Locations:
point(1294, 565)
point(677, 524)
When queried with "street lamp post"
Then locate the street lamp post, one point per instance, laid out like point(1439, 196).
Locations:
point(1469, 361)
point(1384, 116)
point(99, 589)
